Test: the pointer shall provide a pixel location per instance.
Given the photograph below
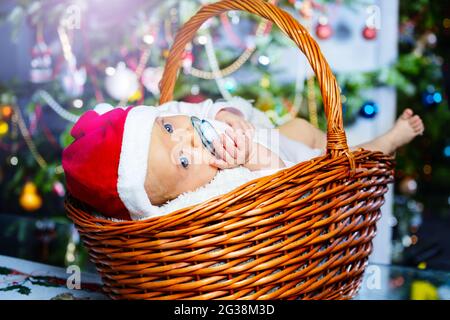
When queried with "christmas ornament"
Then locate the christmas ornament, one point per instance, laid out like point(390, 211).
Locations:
point(194, 98)
point(6, 112)
point(305, 8)
point(406, 34)
point(150, 79)
point(187, 61)
point(369, 33)
point(446, 151)
point(369, 110)
point(59, 189)
point(323, 28)
point(4, 128)
point(408, 186)
point(29, 199)
point(122, 84)
point(431, 97)
point(136, 96)
point(423, 290)
point(72, 78)
point(264, 82)
point(343, 31)
point(230, 84)
point(41, 61)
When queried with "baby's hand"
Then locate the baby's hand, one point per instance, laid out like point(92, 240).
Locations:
point(232, 150)
point(233, 120)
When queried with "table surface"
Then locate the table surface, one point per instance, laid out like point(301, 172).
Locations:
point(21, 279)
point(26, 280)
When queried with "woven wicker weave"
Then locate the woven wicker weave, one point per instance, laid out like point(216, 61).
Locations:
point(302, 233)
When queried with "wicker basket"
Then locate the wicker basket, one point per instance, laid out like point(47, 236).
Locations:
point(302, 233)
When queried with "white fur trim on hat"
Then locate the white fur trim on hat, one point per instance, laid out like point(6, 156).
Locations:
point(133, 162)
point(104, 107)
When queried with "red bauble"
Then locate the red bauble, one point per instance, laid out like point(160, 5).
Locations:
point(191, 98)
point(323, 31)
point(369, 33)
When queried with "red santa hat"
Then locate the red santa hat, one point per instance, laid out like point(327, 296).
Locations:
point(106, 164)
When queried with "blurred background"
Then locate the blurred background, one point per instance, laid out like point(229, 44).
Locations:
point(59, 58)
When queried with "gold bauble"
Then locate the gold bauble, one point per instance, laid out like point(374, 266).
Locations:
point(6, 111)
point(4, 128)
point(135, 96)
point(29, 199)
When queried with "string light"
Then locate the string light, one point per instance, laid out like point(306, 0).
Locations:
point(14, 161)
point(212, 59)
point(17, 117)
point(264, 60)
point(202, 40)
point(148, 39)
point(78, 103)
point(63, 113)
point(110, 71)
point(261, 31)
point(406, 241)
point(195, 90)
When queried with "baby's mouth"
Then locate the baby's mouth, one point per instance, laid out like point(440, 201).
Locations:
point(206, 132)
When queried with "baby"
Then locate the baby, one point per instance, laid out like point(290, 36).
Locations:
point(126, 162)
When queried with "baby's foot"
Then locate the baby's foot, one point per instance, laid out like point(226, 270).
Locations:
point(406, 128)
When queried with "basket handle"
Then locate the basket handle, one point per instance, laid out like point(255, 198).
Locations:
point(336, 138)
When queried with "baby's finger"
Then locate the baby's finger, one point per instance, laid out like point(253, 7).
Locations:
point(230, 144)
point(219, 149)
point(219, 163)
point(240, 140)
point(243, 143)
point(233, 134)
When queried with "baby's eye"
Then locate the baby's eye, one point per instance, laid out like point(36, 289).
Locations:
point(168, 127)
point(184, 162)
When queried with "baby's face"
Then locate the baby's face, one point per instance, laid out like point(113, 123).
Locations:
point(177, 160)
